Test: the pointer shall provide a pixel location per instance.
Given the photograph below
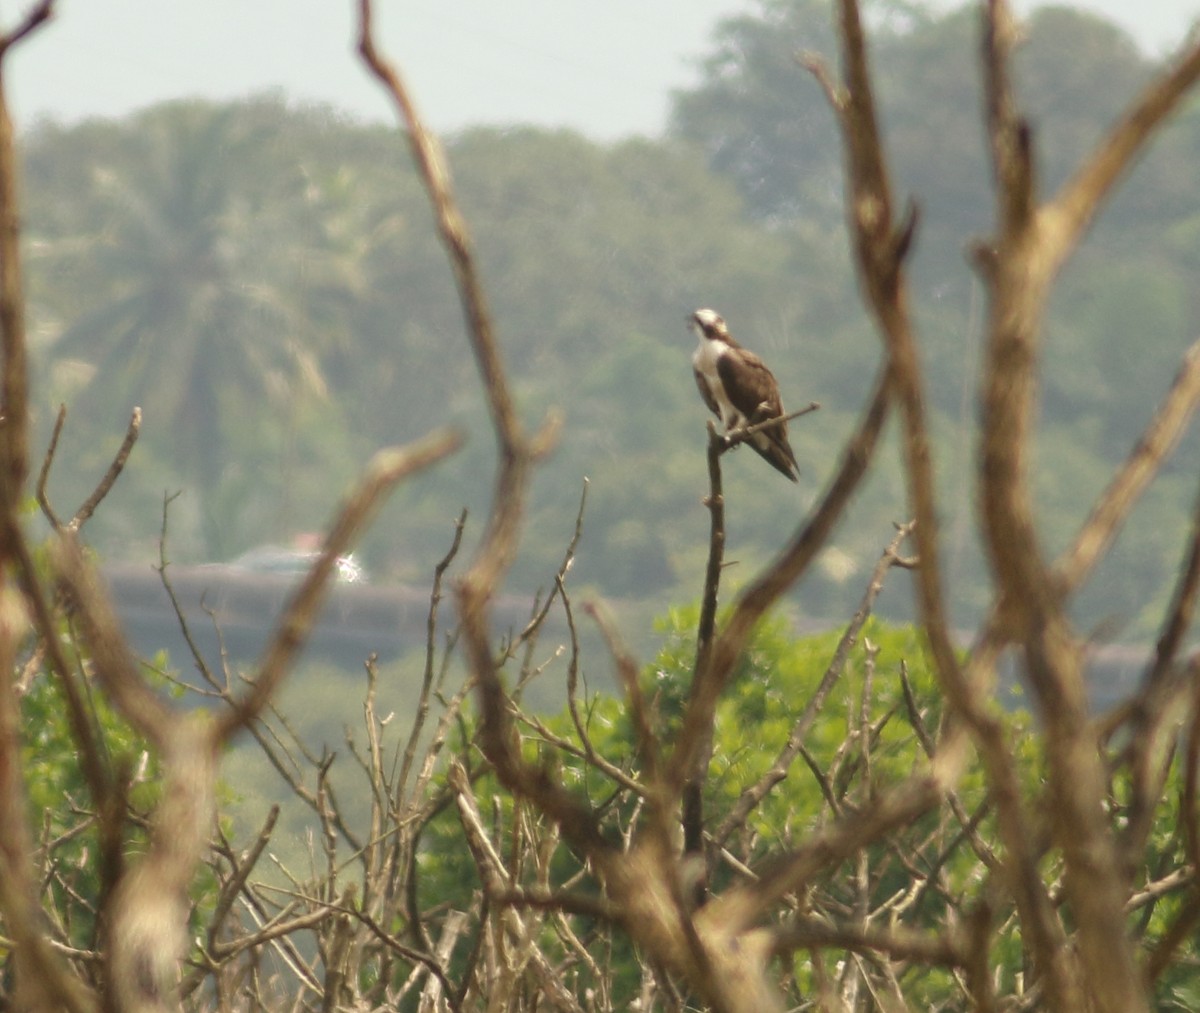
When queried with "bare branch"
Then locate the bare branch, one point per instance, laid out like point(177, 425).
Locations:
point(1114, 504)
point(185, 627)
point(115, 666)
point(1031, 244)
point(758, 598)
point(899, 944)
point(431, 164)
point(531, 628)
point(88, 507)
point(741, 434)
point(1182, 609)
point(754, 794)
point(516, 454)
point(741, 907)
point(34, 18)
point(815, 64)
point(1066, 219)
point(692, 789)
point(1152, 713)
point(385, 470)
point(627, 675)
point(882, 243)
point(44, 474)
point(241, 868)
point(1008, 133)
point(14, 391)
point(435, 597)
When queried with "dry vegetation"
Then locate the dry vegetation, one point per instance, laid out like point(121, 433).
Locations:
point(1068, 865)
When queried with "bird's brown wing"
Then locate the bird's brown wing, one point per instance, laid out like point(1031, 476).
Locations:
point(749, 384)
point(753, 391)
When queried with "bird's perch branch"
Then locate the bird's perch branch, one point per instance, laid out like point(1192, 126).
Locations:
point(693, 787)
point(740, 435)
point(711, 677)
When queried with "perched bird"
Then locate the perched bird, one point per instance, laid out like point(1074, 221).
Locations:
point(740, 390)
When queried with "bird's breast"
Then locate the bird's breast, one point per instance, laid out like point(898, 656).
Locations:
point(705, 360)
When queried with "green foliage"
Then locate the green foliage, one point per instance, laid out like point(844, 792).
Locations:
point(60, 804)
point(774, 681)
point(771, 687)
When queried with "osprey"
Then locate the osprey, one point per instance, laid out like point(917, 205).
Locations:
point(740, 390)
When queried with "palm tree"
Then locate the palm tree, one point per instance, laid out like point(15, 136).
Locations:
point(193, 243)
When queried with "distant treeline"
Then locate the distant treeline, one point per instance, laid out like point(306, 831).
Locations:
point(264, 281)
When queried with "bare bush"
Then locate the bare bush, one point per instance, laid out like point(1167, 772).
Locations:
point(957, 858)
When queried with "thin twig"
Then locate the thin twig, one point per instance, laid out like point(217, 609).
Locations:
point(754, 794)
point(35, 17)
point(1131, 479)
point(44, 474)
point(385, 470)
point(88, 507)
point(435, 598)
point(740, 435)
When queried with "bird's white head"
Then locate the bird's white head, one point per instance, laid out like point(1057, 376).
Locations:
point(708, 324)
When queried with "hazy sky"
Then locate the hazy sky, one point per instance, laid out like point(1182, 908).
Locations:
point(606, 68)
